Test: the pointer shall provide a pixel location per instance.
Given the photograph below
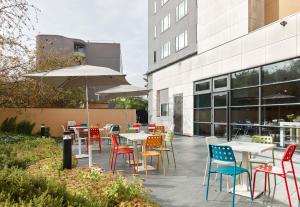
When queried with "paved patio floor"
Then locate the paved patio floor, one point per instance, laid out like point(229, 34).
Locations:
point(183, 186)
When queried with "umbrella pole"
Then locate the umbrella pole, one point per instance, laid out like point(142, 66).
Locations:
point(88, 124)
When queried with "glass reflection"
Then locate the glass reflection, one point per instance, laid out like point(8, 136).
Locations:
point(245, 78)
point(247, 96)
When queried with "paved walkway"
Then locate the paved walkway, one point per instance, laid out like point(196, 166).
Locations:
point(183, 186)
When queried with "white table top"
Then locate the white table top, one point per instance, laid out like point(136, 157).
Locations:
point(249, 146)
point(135, 136)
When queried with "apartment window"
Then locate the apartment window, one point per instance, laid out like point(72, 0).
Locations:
point(181, 41)
point(155, 7)
point(166, 23)
point(163, 102)
point(154, 56)
point(155, 32)
point(166, 50)
point(163, 2)
point(181, 10)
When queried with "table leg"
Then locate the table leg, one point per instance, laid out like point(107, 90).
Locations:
point(281, 137)
point(80, 155)
point(243, 189)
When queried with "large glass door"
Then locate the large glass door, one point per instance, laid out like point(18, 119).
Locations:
point(220, 114)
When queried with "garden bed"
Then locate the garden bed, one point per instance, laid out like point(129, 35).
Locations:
point(31, 175)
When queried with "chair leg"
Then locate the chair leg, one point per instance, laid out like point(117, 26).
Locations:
point(129, 161)
point(207, 185)
point(265, 186)
point(205, 172)
point(163, 163)
point(157, 163)
point(100, 145)
point(221, 182)
point(287, 191)
point(173, 154)
point(233, 191)
point(227, 183)
point(295, 180)
point(249, 180)
point(253, 189)
point(146, 166)
point(134, 166)
point(112, 160)
point(115, 161)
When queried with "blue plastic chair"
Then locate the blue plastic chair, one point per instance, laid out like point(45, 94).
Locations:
point(225, 154)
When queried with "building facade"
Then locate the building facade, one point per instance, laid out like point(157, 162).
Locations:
point(244, 78)
point(95, 53)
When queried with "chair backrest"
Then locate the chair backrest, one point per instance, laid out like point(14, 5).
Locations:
point(289, 152)
point(262, 139)
point(151, 125)
point(71, 123)
point(94, 132)
point(114, 140)
point(115, 128)
point(160, 129)
point(222, 153)
point(136, 125)
point(169, 136)
point(153, 141)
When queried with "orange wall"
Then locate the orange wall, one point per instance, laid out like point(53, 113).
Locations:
point(55, 117)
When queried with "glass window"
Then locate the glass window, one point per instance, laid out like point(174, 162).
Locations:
point(245, 78)
point(202, 86)
point(244, 115)
point(281, 93)
point(181, 10)
point(239, 132)
point(283, 71)
point(164, 109)
point(220, 115)
point(165, 23)
point(163, 2)
point(202, 129)
point(155, 32)
point(181, 41)
point(155, 7)
point(166, 50)
point(202, 115)
point(220, 130)
point(203, 100)
point(220, 83)
point(154, 56)
point(247, 96)
point(272, 115)
point(220, 100)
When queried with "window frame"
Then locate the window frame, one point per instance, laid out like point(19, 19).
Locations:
point(204, 91)
point(185, 41)
point(165, 53)
point(185, 10)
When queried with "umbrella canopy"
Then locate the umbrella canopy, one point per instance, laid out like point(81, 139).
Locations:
point(82, 75)
point(123, 90)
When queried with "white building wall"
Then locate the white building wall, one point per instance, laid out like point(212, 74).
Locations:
point(268, 44)
point(220, 21)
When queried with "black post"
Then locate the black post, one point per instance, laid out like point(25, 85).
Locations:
point(67, 150)
point(43, 132)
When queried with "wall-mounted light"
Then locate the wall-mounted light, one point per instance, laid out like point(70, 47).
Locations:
point(283, 23)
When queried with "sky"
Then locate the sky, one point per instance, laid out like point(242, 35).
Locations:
point(119, 21)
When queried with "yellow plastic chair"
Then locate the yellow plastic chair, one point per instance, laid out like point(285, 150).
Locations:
point(152, 142)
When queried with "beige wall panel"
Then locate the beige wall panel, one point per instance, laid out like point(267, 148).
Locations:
point(288, 7)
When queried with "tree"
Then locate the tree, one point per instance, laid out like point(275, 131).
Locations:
point(18, 58)
point(130, 102)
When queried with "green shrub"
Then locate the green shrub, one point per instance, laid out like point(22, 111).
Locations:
point(18, 188)
point(24, 127)
point(9, 125)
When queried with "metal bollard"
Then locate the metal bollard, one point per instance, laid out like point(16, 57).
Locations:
point(67, 150)
point(43, 132)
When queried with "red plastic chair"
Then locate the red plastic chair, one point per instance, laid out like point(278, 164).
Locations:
point(122, 151)
point(280, 171)
point(137, 126)
point(151, 128)
point(94, 136)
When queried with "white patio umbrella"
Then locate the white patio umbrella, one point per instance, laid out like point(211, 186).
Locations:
point(122, 91)
point(82, 75)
